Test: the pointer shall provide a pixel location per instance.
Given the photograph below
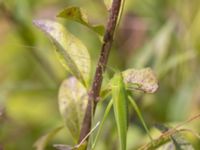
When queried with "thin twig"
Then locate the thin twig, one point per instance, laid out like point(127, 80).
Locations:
point(96, 86)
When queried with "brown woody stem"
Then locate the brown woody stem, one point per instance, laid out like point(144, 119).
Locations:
point(96, 86)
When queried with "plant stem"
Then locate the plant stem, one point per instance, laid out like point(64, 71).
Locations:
point(96, 85)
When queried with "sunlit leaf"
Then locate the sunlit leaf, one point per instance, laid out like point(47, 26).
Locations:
point(71, 51)
point(42, 142)
point(120, 99)
point(108, 4)
point(142, 79)
point(72, 104)
point(77, 14)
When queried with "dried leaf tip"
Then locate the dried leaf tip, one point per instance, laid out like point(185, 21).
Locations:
point(145, 79)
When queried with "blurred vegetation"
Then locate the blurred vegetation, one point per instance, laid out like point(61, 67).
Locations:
point(161, 34)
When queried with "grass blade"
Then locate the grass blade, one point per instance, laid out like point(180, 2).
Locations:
point(137, 110)
point(102, 123)
point(120, 108)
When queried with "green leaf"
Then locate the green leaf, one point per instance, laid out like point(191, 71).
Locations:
point(72, 104)
point(137, 110)
point(78, 14)
point(41, 143)
point(71, 51)
point(119, 96)
point(142, 79)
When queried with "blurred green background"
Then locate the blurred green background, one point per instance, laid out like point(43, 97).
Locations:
point(161, 34)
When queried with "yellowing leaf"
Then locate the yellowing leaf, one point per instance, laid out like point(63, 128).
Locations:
point(77, 14)
point(72, 104)
point(72, 52)
point(142, 79)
